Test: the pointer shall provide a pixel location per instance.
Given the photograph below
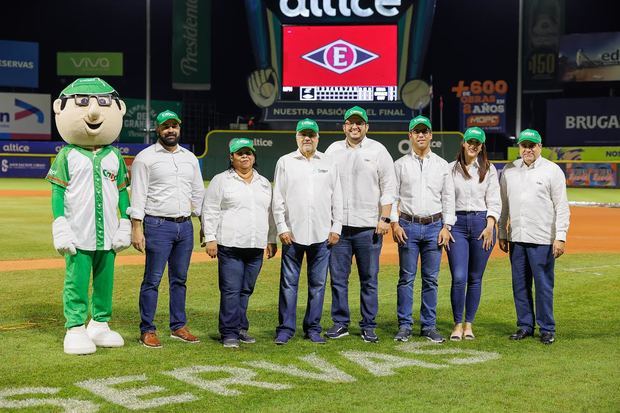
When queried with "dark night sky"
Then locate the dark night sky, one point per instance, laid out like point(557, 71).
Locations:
point(473, 39)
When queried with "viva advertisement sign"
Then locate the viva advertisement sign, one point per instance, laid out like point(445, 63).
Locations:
point(191, 45)
point(19, 64)
point(134, 121)
point(89, 64)
point(25, 116)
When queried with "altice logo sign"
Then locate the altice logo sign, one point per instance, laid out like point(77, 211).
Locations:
point(89, 64)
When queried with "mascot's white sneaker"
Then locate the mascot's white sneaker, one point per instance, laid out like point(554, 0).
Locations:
point(78, 342)
point(102, 336)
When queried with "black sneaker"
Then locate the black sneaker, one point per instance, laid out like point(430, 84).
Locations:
point(315, 338)
point(433, 335)
point(281, 339)
point(230, 343)
point(337, 331)
point(403, 334)
point(369, 336)
point(245, 338)
point(547, 337)
point(520, 334)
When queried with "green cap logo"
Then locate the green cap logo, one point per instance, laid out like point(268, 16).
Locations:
point(167, 115)
point(307, 124)
point(88, 86)
point(476, 134)
point(356, 111)
point(529, 135)
point(239, 143)
point(420, 120)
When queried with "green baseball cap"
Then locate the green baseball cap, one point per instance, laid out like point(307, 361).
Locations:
point(356, 111)
point(529, 135)
point(307, 124)
point(475, 133)
point(167, 115)
point(88, 86)
point(239, 143)
point(420, 120)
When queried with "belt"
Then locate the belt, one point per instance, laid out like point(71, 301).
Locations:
point(171, 219)
point(421, 220)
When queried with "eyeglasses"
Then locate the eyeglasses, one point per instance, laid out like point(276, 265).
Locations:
point(422, 131)
point(355, 122)
point(102, 100)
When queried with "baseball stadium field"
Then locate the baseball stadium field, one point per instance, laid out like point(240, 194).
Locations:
point(579, 372)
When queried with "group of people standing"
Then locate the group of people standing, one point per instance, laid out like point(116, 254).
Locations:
point(331, 207)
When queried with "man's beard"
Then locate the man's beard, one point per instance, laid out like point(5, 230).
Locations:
point(168, 141)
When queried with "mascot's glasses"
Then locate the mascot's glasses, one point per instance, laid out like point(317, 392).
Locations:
point(102, 100)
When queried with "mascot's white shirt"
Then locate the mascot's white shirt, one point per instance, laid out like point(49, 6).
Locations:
point(92, 181)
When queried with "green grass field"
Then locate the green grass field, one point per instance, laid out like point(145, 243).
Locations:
point(577, 373)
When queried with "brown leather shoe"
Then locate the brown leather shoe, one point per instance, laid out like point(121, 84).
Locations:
point(184, 335)
point(150, 340)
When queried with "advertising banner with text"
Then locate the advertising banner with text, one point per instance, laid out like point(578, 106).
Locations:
point(19, 63)
point(482, 104)
point(134, 121)
point(590, 57)
point(25, 116)
point(89, 64)
point(191, 45)
point(575, 153)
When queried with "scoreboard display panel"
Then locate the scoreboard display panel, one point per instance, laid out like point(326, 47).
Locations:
point(339, 63)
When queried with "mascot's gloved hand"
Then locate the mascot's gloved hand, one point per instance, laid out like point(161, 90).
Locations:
point(64, 238)
point(122, 237)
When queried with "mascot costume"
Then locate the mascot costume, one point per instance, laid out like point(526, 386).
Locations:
point(89, 183)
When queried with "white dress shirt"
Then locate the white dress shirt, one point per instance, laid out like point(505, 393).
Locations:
point(166, 184)
point(307, 198)
point(473, 195)
point(237, 213)
point(424, 187)
point(367, 179)
point(534, 198)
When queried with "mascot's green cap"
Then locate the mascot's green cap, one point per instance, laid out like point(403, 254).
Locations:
point(88, 86)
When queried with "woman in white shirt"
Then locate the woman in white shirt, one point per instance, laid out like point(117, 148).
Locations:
point(238, 228)
point(478, 206)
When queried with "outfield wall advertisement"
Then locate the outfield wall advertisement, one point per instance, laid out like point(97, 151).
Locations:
point(134, 121)
point(23, 167)
point(581, 122)
point(25, 116)
point(592, 175)
point(575, 153)
point(271, 145)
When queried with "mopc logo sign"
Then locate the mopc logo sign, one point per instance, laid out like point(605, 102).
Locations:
point(89, 64)
point(340, 56)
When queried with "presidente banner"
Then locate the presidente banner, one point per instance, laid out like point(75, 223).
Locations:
point(89, 64)
point(482, 104)
point(582, 122)
point(271, 145)
point(592, 175)
point(19, 148)
point(575, 153)
point(590, 57)
point(191, 44)
point(134, 121)
point(543, 26)
point(25, 116)
point(19, 64)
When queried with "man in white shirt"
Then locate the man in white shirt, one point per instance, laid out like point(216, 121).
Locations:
point(366, 172)
point(533, 191)
point(307, 209)
point(166, 189)
point(421, 226)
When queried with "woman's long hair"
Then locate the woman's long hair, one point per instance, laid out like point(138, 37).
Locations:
point(483, 162)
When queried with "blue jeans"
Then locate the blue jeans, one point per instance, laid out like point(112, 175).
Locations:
point(467, 261)
point(533, 261)
point(238, 270)
point(172, 243)
point(421, 241)
point(365, 245)
point(292, 258)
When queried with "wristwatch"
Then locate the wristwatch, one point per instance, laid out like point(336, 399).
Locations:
point(387, 220)
point(448, 227)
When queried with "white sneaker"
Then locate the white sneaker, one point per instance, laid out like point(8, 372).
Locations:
point(78, 342)
point(102, 336)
